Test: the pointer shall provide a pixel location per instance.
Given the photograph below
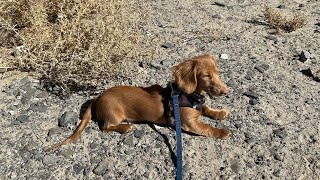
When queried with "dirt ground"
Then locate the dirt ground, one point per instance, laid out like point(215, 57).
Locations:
point(274, 103)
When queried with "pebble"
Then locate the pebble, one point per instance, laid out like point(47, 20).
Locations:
point(272, 37)
point(277, 173)
point(42, 94)
point(94, 145)
point(23, 118)
point(251, 141)
point(40, 107)
point(259, 160)
point(67, 153)
point(167, 45)
point(224, 56)
point(304, 56)
point(30, 92)
point(139, 133)
point(53, 131)
point(155, 65)
point(128, 140)
point(235, 167)
point(129, 152)
point(67, 118)
point(77, 168)
point(50, 160)
point(217, 16)
point(315, 72)
point(281, 6)
point(278, 157)
point(101, 168)
point(251, 94)
point(281, 133)
point(262, 67)
point(253, 101)
point(220, 4)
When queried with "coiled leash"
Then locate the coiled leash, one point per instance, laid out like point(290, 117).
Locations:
point(175, 100)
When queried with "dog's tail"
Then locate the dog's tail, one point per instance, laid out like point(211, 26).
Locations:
point(78, 131)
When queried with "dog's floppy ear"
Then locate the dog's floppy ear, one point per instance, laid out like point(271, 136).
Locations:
point(185, 74)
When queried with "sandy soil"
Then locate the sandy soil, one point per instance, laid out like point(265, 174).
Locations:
point(274, 104)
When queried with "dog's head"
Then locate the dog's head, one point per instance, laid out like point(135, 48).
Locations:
point(199, 74)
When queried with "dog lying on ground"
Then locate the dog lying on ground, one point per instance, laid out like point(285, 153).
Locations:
point(118, 107)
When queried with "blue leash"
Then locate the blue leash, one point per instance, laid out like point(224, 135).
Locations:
point(175, 100)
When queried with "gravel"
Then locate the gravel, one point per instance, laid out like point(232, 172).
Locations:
point(274, 107)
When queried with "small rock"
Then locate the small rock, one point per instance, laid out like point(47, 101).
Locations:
point(40, 107)
point(77, 168)
point(50, 160)
point(101, 168)
point(231, 83)
point(25, 80)
point(67, 118)
point(253, 101)
point(224, 56)
point(251, 94)
point(139, 133)
point(24, 100)
point(23, 118)
point(155, 65)
point(272, 37)
point(281, 133)
point(3, 69)
point(277, 173)
point(317, 24)
point(94, 145)
point(43, 94)
point(29, 93)
point(262, 68)
point(301, 5)
point(129, 152)
point(278, 157)
point(128, 140)
point(235, 167)
point(259, 160)
point(67, 153)
point(186, 168)
point(251, 141)
point(281, 6)
point(315, 72)
point(53, 131)
point(217, 16)
point(304, 56)
point(167, 45)
point(220, 4)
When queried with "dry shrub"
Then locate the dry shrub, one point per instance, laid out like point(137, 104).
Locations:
point(280, 22)
point(71, 43)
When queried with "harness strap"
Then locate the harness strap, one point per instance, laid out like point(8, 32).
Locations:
point(175, 100)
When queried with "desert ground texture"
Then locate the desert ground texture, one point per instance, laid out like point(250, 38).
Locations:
point(274, 100)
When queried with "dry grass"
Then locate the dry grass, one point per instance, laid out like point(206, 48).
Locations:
point(70, 43)
point(282, 23)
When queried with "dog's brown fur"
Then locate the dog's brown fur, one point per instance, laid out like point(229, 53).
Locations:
point(133, 104)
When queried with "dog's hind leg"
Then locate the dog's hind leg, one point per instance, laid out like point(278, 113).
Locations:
point(121, 128)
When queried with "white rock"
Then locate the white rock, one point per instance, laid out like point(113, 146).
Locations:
point(224, 56)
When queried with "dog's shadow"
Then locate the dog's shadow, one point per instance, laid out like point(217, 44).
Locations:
point(173, 156)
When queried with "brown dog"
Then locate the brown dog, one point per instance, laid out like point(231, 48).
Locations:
point(133, 104)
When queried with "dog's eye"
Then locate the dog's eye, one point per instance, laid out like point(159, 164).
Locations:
point(207, 76)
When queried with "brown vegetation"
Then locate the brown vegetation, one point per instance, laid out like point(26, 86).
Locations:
point(280, 22)
point(70, 43)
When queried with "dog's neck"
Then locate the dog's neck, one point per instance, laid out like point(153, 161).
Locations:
point(195, 96)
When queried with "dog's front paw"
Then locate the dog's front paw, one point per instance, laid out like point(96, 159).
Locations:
point(223, 114)
point(224, 134)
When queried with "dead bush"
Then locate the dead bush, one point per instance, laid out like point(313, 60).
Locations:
point(71, 43)
point(282, 23)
